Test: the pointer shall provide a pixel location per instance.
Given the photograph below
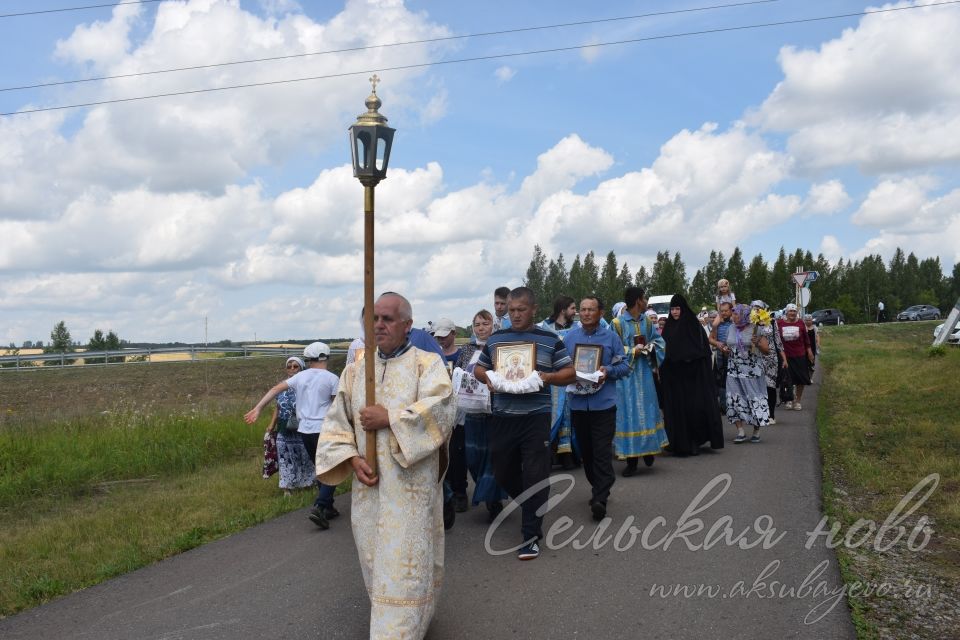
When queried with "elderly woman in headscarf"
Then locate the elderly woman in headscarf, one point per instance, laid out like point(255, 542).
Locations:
point(771, 361)
point(477, 426)
point(746, 387)
point(690, 412)
point(296, 466)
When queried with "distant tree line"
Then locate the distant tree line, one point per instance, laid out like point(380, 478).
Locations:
point(854, 287)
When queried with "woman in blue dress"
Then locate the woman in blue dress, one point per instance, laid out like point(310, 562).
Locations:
point(297, 470)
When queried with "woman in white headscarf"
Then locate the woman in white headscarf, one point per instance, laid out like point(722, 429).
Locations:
point(617, 309)
point(297, 469)
point(356, 347)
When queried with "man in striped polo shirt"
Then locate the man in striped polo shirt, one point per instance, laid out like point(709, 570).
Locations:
point(520, 427)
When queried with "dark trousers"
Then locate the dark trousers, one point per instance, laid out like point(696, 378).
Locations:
point(594, 431)
point(720, 376)
point(325, 491)
point(457, 472)
point(772, 399)
point(520, 448)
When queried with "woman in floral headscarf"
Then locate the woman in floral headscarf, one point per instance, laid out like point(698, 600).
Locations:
point(746, 386)
point(296, 466)
point(771, 360)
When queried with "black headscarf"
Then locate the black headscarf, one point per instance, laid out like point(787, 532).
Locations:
point(686, 340)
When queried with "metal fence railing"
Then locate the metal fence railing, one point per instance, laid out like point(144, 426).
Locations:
point(24, 362)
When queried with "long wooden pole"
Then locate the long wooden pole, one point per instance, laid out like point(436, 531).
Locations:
point(370, 344)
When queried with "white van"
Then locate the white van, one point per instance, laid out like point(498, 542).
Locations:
point(660, 304)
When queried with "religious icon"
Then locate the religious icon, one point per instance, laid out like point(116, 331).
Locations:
point(515, 360)
point(586, 358)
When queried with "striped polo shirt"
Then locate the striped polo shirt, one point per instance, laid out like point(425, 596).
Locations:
point(551, 356)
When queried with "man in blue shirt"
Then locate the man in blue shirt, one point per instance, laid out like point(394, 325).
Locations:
point(718, 340)
point(594, 415)
point(520, 425)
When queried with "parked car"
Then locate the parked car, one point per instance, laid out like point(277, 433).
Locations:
point(953, 338)
point(660, 304)
point(919, 312)
point(827, 316)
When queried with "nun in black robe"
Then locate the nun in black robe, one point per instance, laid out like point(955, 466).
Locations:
point(691, 414)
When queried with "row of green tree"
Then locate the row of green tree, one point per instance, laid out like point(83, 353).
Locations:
point(62, 342)
point(854, 287)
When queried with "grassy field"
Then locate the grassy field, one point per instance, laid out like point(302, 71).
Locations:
point(888, 417)
point(104, 470)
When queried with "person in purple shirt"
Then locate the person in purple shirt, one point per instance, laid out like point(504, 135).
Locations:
point(594, 415)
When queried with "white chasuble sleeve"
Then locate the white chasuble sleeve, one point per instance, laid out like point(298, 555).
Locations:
point(337, 443)
point(423, 427)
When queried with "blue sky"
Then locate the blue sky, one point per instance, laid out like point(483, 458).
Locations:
point(837, 136)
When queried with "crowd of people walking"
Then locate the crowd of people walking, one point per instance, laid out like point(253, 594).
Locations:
point(506, 407)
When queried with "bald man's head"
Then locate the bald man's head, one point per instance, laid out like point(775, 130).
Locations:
point(405, 307)
point(392, 320)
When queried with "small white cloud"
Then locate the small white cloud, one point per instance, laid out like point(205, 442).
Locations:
point(435, 108)
point(894, 203)
point(505, 74)
point(102, 43)
point(826, 198)
point(831, 248)
point(590, 53)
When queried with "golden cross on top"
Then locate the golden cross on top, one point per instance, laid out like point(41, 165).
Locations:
point(374, 79)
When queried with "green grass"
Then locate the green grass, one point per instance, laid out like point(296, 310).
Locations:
point(106, 470)
point(86, 541)
point(888, 417)
point(52, 462)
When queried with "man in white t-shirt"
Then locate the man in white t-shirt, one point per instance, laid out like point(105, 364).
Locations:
point(316, 388)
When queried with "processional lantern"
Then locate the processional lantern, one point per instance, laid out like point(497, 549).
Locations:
point(370, 143)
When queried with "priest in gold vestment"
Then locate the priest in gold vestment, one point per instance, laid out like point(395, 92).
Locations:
point(397, 516)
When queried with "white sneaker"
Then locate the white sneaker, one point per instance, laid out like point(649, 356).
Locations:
point(796, 406)
point(771, 421)
point(789, 404)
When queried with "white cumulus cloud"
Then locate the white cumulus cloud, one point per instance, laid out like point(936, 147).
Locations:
point(884, 96)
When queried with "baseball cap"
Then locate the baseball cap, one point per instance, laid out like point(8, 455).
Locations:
point(316, 351)
point(791, 307)
point(444, 327)
point(759, 303)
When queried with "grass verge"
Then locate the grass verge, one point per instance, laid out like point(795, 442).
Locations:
point(86, 541)
point(887, 419)
point(104, 471)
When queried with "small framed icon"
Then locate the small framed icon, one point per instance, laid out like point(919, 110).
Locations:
point(515, 360)
point(587, 357)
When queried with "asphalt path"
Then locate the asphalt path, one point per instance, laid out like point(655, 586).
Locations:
point(287, 579)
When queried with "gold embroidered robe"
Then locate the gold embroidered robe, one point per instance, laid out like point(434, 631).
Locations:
point(398, 523)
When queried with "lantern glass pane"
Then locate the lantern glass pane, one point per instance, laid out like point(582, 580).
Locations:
point(363, 155)
point(381, 151)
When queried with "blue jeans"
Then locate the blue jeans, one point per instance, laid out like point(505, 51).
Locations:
point(325, 492)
